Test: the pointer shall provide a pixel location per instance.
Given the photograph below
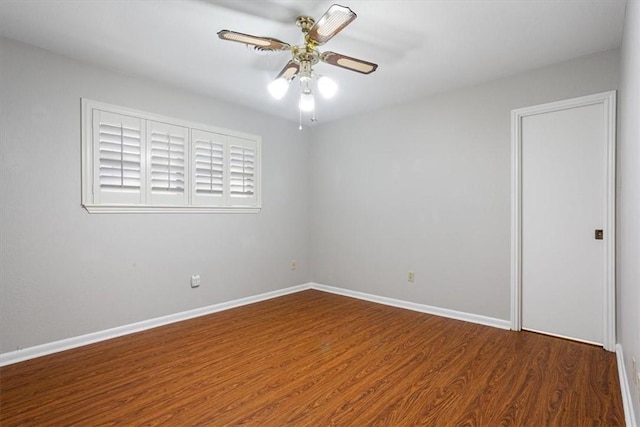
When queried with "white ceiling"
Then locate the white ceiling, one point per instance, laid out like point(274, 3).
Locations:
point(422, 47)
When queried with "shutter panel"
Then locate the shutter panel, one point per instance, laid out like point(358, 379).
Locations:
point(242, 166)
point(242, 172)
point(167, 172)
point(207, 168)
point(118, 164)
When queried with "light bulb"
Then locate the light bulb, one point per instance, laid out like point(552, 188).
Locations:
point(278, 88)
point(327, 87)
point(307, 103)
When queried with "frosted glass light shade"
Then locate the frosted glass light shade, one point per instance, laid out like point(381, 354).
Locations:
point(278, 88)
point(327, 87)
point(307, 103)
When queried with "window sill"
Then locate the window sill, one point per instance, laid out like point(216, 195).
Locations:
point(169, 209)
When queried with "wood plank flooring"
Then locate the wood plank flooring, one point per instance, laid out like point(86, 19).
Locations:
point(317, 359)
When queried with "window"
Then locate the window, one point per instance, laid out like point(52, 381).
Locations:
point(134, 161)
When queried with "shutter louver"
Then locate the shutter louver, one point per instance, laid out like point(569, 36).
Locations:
point(119, 156)
point(242, 171)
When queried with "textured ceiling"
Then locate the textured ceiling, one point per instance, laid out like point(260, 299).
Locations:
point(422, 47)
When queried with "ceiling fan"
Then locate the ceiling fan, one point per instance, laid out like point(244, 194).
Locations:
point(306, 55)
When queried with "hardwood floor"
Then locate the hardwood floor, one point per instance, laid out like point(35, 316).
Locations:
point(317, 359)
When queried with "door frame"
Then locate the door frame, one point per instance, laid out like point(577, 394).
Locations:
point(608, 100)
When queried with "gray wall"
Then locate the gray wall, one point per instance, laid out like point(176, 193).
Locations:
point(628, 197)
point(64, 272)
point(425, 186)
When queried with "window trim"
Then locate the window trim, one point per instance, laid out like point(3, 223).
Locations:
point(88, 165)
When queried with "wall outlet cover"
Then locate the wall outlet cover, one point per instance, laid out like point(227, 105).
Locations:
point(195, 280)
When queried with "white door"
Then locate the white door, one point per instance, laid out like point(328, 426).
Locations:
point(564, 174)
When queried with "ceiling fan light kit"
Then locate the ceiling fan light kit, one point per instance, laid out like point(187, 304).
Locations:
point(327, 87)
point(278, 88)
point(306, 55)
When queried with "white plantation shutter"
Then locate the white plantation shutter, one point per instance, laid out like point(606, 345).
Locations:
point(118, 163)
point(167, 146)
point(242, 171)
point(134, 161)
point(208, 168)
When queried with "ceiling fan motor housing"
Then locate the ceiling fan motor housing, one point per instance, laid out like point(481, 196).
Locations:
point(305, 54)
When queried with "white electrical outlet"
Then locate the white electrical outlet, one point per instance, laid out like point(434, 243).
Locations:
point(294, 264)
point(195, 280)
point(411, 277)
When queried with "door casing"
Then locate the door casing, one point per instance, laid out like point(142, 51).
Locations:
point(608, 100)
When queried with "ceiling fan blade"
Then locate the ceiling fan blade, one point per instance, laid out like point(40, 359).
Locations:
point(261, 43)
point(348, 62)
point(332, 22)
point(289, 71)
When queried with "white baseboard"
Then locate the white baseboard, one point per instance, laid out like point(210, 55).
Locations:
point(422, 308)
point(627, 400)
point(74, 342)
point(69, 343)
